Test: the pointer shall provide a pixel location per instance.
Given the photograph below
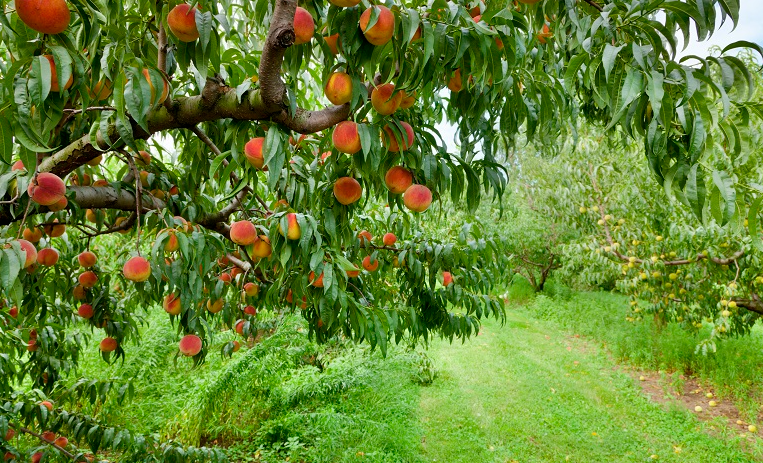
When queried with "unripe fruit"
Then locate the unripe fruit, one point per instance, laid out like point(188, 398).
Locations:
point(381, 32)
point(215, 306)
point(370, 265)
point(347, 190)
point(346, 138)
point(304, 26)
point(338, 88)
point(417, 198)
point(190, 345)
point(243, 232)
point(182, 23)
point(46, 189)
point(85, 311)
point(385, 100)
point(108, 345)
point(45, 16)
point(398, 179)
point(389, 239)
point(137, 269)
point(390, 138)
point(47, 257)
point(171, 304)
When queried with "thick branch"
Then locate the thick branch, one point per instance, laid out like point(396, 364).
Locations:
point(305, 121)
point(280, 37)
point(754, 304)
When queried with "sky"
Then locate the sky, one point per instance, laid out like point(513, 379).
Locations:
point(749, 28)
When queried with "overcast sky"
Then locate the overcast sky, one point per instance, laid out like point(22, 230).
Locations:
point(750, 28)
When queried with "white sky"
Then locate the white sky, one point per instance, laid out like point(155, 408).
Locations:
point(749, 28)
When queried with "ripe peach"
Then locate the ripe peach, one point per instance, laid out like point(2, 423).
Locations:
point(251, 289)
point(85, 311)
point(36, 457)
point(54, 230)
point(143, 158)
point(317, 282)
point(333, 42)
point(416, 35)
point(54, 87)
point(137, 269)
point(389, 239)
point(455, 83)
point(408, 100)
point(49, 436)
point(47, 257)
point(385, 100)
point(381, 32)
point(165, 88)
point(30, 252)
point(100, 91)
point(239, 327)
point(78, 293)
point(13, 312)
point(88, 279)
point(62, 442)
point(225, 278)
point(182, 23)
point(46, 16)
point(253, 152)
point(370, 265)
point(447, 278)
point(171, 304)
point(293, 231)
point(338, 88)
point(290, 299)
point(392, 134)
point(108, 345)
point(250, 310)
point(243, 232)
point(9, 435)
point(346, 138)
point(144, 178)
point(544, 34)
point(347, 190)
point(46, 189)
point(60, 205)
point(215, 306)
point(18, 165)
point(174, 191)
point(261, 247)
point(87, 259)
point(32, 346)
point(190, 345)
point(398, 179)
point(304, 26)
point(344, 3)
point(47, 405)
point(417, 198)
point(236, 346)
point(172, 243)
point(353, 273)
point(101, 183)
point(91, 216)
point(365, 238)
point(33, 234)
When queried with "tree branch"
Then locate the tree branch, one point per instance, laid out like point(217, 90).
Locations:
point(280, 37)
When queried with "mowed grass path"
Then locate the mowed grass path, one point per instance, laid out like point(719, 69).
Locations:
point(527, 392)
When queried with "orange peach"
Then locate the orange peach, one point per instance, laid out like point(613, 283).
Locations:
point(347, 190)
point(100, 91)
point(346, 138)
point(304, 26)
point(392, 134)
point(417, 198)
point(54, 87)
point(398, 179)
point(333, 42)
point(381, 32)
point(385, 100)
point(243, 232)
point(33, 234)
point(416, 35)
point(88, 279)
point(235, 271)
point(365, 238)
point(49, 436)
point(389, 239)
point(293, 231)
point(78, 293)
point(30, 252)
point(253, 152)
point(317, 282)
point(137, 269)
point(353, 273)
point(408, 100)
point(143, 158)
point(172, 243)
point(47, 257)
point(165, 88)
point(447, 278)
point(54, 230)
point(87, 259)
point(215, 306)
point(47, 405)
point(455, 83)
point(171, 304)
point(182, 23)
point(225, 278)
point(338, 88)
point(261, 247)
point(46, 189)
point(544, 34)
point(251, 289)
point(60, 205)
point(61, 441)
point(190, 345)
point(108, 345)
point(370, 265)
point(45, 16)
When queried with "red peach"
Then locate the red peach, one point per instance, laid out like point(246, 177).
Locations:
point(253, 152)
point(33, 234)
point(54, 87)
point(47, 405)
point(172, 243)
point(46, 189)
point(353, 273)
point(317, 282)
point(225, 278)
point(86, 259)
point(137, 269)
point(108, 345)
point(78, 293)
point(417, 198)
point(182, 23)
point(47, 257)
point(62, 442)
point(389, 239)
point(47, 17)
point(398, 179)
point(385, 100)
point(381, 32)
point(54, 230)
point(85, 311)
point(338, 88)
point(18, 165)
point(370, 265)
point(30, 252)
point(243, 232)
point(392, 134)
point(171, 304)
point(88, 279)
point(304, 26)
point(347, 190)
point(365, 238)
point(346, 138)
point(447, 278)
point(190, 345)
point(250, 310)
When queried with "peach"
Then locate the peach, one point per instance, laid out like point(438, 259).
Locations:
point(49, 436)
point(389, 239)
point(225, 278)
point(47, 257)
point(408, 100)
point(304, 26)
point(36, 457)
point(333, 43)
point(158, 194)
point(243, 232)
point(60, 205)
point(385, 100)
point(91, 216)
point(236, 346)
point(476, 10)
point(143, 158)
point(32, 346)
point(174, 191)
point(338, 88)
point(171, 304)
point(137, 269)
point(353, 273)
point(381, 32)
point(293, 231)
point(45, 16)
point(251, 289)
point(544, 34)
point(416, 35)
point(398, 179)
point(290, 299)
point(239, 327)
point(253, 152)
point(250, 310)
point(215, 306)
point(370, 265)
point(182, 23)
point(46, 189)
point(10, 434)
point(95, 162)
point(165, 88)
point(392, 134)
point(172, 243)
point(317, 282)
point(54, 230)
point(87, 259)
point(100, 91)
point(190, 345)
point(144, 178)
point(47, 405)
point(235, 271)
point(417, 198)
point(78, 293)
point(13, 312)
point(325, 156)
point(29, 251)
point(101, 183)
point(85, 311)
point(33, 234)
point(455, 83)
point(365, 238)
point(447, 278)
point(88, 279)
point(62, 442)
point(18, 165)
point(347, 190)
point(346, 138)
point(108, 345)
point(261, 247)
point(344, 3)
point(54, 87)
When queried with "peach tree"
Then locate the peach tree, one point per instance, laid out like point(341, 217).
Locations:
point(264, 156)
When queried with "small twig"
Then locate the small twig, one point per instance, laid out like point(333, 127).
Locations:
point(161, 61)
point(595, 5)
point(72, 112)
